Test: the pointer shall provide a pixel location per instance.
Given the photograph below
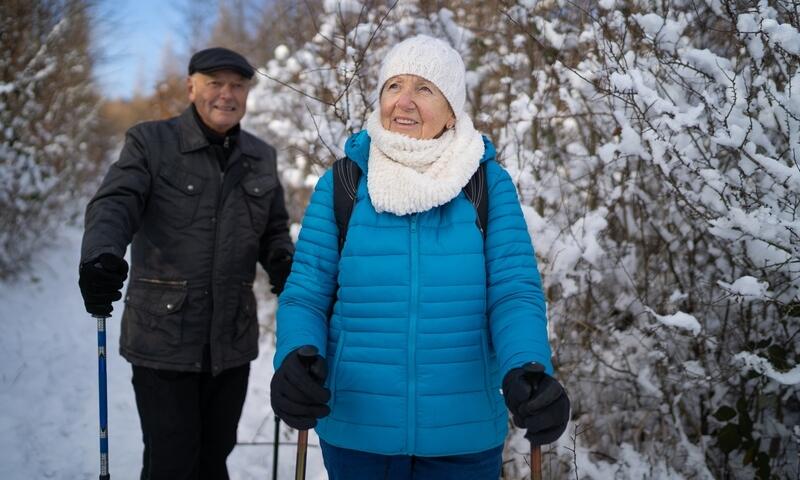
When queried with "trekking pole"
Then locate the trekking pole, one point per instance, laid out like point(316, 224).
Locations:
point(102, 389)
point(307, 354)
point(533, 371)
point(275, 448)
point(536, 462)
point(302, 448)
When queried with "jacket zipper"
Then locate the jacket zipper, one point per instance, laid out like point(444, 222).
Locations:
point(412, 333)
point(214, 268)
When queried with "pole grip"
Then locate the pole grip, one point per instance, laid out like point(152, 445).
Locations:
point(533, 371)
point(307, 354)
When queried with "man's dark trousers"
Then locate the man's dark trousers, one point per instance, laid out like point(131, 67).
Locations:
point(188, 421)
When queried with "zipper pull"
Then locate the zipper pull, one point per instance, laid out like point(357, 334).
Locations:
point(227, 142)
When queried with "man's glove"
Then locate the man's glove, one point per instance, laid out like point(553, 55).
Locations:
point(296, 390)
point(100, 280)
point(537, 403)
point(279, 266)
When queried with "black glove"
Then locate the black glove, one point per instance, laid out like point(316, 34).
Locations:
point(101, 280)
point(296, 390)
point(279, 266)
point(537, 403)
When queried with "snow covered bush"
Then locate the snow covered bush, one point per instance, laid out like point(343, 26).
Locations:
point(655, 146)
point(48, 121)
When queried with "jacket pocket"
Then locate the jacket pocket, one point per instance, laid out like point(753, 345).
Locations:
point(245, 333)
point(177, 195)
point(334, 373)
point(155, 311)
point(491, 395)
point(258, 193)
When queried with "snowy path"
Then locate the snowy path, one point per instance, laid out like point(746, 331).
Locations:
point(48, 386)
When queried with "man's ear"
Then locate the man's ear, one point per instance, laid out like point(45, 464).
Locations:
point(190, 88)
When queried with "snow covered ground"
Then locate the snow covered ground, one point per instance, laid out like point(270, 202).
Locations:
point(48, 386)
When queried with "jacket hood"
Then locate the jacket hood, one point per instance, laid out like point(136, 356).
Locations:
point(357, 149)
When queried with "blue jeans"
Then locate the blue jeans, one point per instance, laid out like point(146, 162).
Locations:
point(345, 464)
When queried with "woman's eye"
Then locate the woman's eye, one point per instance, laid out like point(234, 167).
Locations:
point(425, 89)
point(393, 86)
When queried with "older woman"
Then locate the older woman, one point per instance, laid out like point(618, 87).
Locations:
point(421, 314)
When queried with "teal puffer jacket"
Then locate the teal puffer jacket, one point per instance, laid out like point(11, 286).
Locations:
point(419, 318)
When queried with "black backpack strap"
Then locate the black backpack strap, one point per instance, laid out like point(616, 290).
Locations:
point(477, 192)
point(345, 182)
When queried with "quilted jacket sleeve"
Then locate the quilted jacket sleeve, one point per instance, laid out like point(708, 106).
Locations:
point(115, 212)
point(311, 288)
point(515, 300)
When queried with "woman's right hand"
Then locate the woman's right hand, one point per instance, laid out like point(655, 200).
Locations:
point(297, 393)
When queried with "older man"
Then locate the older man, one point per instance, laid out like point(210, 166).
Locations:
point(200, 203)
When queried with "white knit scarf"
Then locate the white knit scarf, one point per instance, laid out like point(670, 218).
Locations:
point(407, 175)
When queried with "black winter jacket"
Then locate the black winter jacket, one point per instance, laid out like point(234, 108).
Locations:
point(196, 234)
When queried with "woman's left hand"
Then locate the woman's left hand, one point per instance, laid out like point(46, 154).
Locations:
point(538, 403)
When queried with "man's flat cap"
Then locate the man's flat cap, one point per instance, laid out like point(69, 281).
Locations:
point(218, 58)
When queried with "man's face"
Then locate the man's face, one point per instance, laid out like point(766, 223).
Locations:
point(220, 98)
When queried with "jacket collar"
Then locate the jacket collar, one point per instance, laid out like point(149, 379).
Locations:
point(192, 137)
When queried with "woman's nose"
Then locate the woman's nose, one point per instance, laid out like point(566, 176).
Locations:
point(405, 101)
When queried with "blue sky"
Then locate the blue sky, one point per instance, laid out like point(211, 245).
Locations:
point(132, 35)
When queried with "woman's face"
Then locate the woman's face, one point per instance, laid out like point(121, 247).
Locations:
point(414, 107)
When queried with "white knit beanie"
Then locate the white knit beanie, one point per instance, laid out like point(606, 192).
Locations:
point(431, 59)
